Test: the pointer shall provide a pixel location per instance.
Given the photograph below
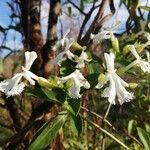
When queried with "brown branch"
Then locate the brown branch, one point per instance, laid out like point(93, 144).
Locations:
point(82, 12)
point(14, 112)
point(86, 38)
point(30, 22)
point(47, 53)
point(86, 19)
point(98, 20)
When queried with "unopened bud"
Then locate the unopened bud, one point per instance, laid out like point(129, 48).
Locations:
point(102, 77)
point(44, 82)
point(69, 84)
point(76, 46)
point(133, 85)
point(120, 71)
point(115, 44)
point(125, 50)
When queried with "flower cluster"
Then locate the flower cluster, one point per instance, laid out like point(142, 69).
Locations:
point(116, 90)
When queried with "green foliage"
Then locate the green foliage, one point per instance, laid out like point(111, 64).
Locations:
point(131, 126)
point(144, 137)
point(47, 132)
point(77, 124)
point(73, 106)
point(55, 95)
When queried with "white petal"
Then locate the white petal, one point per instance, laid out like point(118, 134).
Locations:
point(134, 52)
point(29, 78)
point(9, 85)
point(110, 91)
point(78, 82)
point(122, 93)
point(69, 54)
point(109, 58)
point(80, 60)
point(64, 79)
point(29, 59)
point(99, 85)
point(125, 84)
point(145, 66)
point(86, 84)
point(100, 36)
point(16, 90)
point(74, 91)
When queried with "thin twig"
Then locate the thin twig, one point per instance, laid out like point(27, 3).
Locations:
point(107, 111)
point(103, 125)
point(87, 17)
point(110, 125)
point(100, 117)
point(107, 133)
point(82, 12)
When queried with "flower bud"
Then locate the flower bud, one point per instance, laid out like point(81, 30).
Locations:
point(68, 84)
point(102, 77)
point(125, 50)
point(44, 82)
point(115, 44)
point(121, 71)
point(76, 46)
point(133, 85)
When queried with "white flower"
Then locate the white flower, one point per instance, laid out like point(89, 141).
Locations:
point(81, 60)
point(13, 86)
point(65, 43)
point(78, 81)
point(117, 85)
point(61, 42)
point(64, 54)
point(145, 66)
point(102, 35)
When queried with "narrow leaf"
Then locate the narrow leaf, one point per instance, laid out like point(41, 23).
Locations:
point(74, 106)
point(145, 138)
point(77, 124)
point(47, 133)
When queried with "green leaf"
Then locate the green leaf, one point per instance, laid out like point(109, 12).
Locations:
point(131, 126)
point(37, 93)
point(147, 8)
point(93, 79)
point(145, 138)
point(77, 124)
point(74, 106)
point(55, 96)
point(67, 67)
point(47, 132)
